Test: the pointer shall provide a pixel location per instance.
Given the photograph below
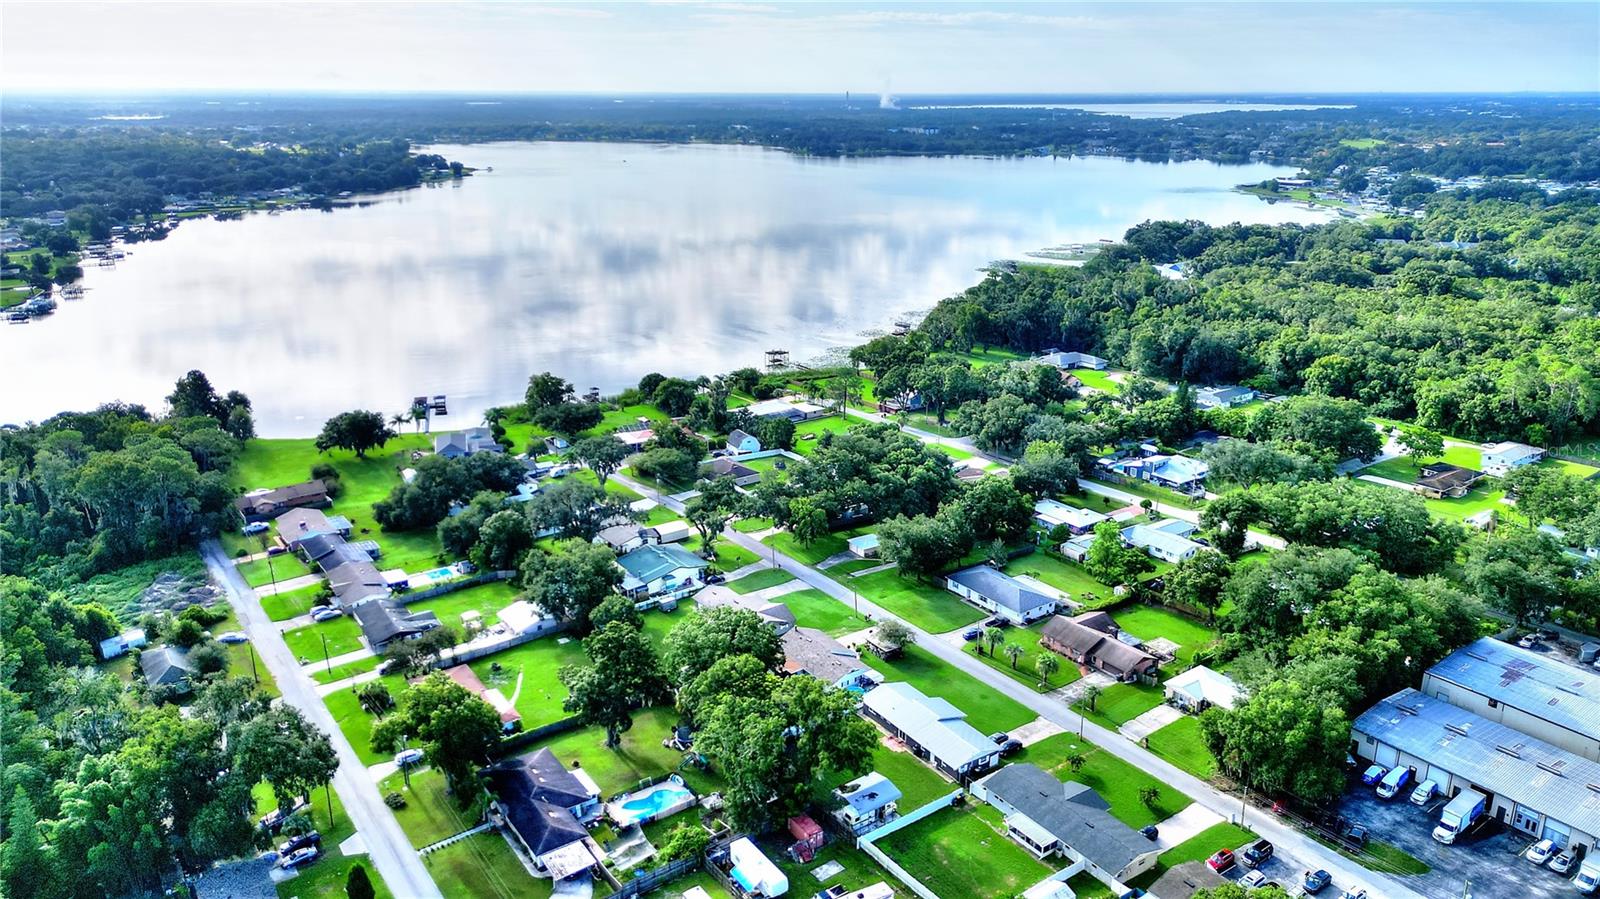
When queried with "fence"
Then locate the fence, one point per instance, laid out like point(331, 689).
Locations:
point(411, 596)
point(524, 738)
point(645, 881)
point(481, 647)
point(868, 845)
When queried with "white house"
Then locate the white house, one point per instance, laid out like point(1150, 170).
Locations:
point(1225, 397)
point(933, 729)
point(864, 546)
point(1175, 472)
point(1500, 458)
point(465, 443)
point(1049, 514)
point(112, 647)
point(868, 802)
point(1073, 360)
point(1200, 688)
point(740, 442)
point(1166, 540)
point(1000, 594)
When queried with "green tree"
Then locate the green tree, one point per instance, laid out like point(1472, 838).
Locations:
point(894, 635)
point(924, 545)
point(356, 431)
point(282, 748)
point(601, 455)
point(1076, 761)
point(1197, 582)
point(699, 641)
point(992, 508)
point(615, 608)
point(357, 885)
point(1109, 561)
point(1150, 797)
point(1421, 444)
point(456, 728)
point(1013, 652)
point(570, 419)
point(1090, 696)
point(571, 579)
point(575, 510)
point(710, 511)
point(807, 521)
point(1227, 519)
point(1282, 739)
point(546, 389)
point(684, 841)
point(993, 636)
point(1047, 665)
point(1046, 470)
point(502, 541)
point(622, 676)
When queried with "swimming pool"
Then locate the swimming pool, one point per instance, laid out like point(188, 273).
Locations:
point(435, 575)
point(652, 803)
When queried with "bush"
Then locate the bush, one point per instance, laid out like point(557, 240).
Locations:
point(203, 615)
point(324, 470)
point(394, 800)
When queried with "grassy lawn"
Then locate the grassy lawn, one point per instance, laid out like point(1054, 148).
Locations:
point(1061, 574)
point(1152, 492)
point(120, 590)
point(961, 852)
point(929, 607)
point(486, 599)
point(1028, 639)
point(1197, 848)
point(281, 568)
point(356, 724)
point(1117, 782)
point(1180, 744)
point(980, 358)
point(751, 525)
point(243, 660)
point(769, 467)
point(343, 635)
point(1099, 380)
point(348, 669)
point(293, 604)
point(730, 556)
point(1121, 703)
point(818, 426)
point(1486, 495)
point(817, 550)
point(760, 580)
point(431, 814)
point(986, 710)
point(1085, 886)
point(813, 608)
point(1150, 622)
point(640, 756)
point(1405, 471)
point(484, 867)
point(326, 878)
point(919, 784)
point(954, 452)
point(859, 868)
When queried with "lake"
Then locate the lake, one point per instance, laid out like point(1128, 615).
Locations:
point(600, 262)
point(1152, 110)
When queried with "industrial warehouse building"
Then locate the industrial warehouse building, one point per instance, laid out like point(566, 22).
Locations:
point(1534, 787)
point(1524, 690)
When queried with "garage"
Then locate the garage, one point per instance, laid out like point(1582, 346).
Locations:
point(1439, 776)
point(1386, 756)
point(1556, 832)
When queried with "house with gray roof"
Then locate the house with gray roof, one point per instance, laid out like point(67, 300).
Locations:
point(1072, 360)
point(543, 804)
point(1541, 696)
point(260, 505)
point(457, 444)
point(1000, 594)
point(933, 729)
point(1091, 640)
point(383, 622)
point(167, 667)
point(807, 650)
point(659, 570)
point(1533, 787)
point(775, 614)
point(1500, 458)
point(867, 803)
point(741, 442)
point(1051, 818)
point(1225, 397)
point(1167, 540)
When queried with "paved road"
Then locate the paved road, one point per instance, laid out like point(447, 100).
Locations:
point(388, 846)
point(1299, 851)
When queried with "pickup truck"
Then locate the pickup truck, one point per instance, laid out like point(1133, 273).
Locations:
point(1256, 854)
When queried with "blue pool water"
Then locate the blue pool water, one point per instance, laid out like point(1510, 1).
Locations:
point(656, 801)
point(437, 574)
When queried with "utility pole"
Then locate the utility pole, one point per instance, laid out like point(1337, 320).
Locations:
point(326, 660)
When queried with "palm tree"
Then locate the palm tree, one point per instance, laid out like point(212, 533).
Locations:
point(400, 419)
point(1013, 652)
point(1047, 665)
point(993, 636)
point(1149, 797)
point(1090, 694)
point(1076, 761)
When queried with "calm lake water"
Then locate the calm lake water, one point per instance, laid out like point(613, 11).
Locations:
point(597, 261)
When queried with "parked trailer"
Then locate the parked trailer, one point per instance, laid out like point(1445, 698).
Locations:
point(1459, 815)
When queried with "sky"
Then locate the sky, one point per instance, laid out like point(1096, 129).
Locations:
point(723, 47)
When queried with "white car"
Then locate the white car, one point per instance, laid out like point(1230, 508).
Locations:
point(326, 613)
point(1540, 852)
point(1252, 880)
point(407, 757)
point(1562, 863)
point(233, 638)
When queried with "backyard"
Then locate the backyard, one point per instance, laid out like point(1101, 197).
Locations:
point(813, 608)
point(964, 852)
point(807, 434)
point(1117, 782)
point(919, 784)
point(1062, 574)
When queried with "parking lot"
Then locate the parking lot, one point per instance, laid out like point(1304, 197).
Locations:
point(1490, 859)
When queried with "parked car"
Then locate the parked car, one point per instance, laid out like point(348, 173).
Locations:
point(1373, 774)
point(1356, 835)
point(1566, 860)
point(1150, 831)
point(272, 821)
point(407, 757)
point(1256, 854)
point(1397, 780)
point(1528, 641)
point(390, 666)
point(1424, 792)
point(255, 527)
point(1253, 880)
point(716, 579)
point(1316, 881)
point(996, 622)
point(971, 634)
point(296, 843)
point(233, 637)
point(302, 857)
point(1010, 748)
point(1354, 894)
point(1221, 860)
point(1540, 852)
point(325, 613)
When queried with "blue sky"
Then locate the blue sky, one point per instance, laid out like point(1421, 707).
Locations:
point(816, 47)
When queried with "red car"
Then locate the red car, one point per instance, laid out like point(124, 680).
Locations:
point(1221, 861)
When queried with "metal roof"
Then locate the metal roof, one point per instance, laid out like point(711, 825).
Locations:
point(1505, 762)
point(1528, 681)
point(868, 793)
point(654, 561)
point(1143, 535)
point(1001, 589)
point(932, 722)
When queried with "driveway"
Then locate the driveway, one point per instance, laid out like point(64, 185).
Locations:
point(1488, 860)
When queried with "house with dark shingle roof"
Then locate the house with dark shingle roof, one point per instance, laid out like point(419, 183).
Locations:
point(167, 667)
point(741, 442)
point(807, 650)
point(264, 504)
point(1000, 594)
point(1051, 818)
point(543, 804)
point(1084, 640)
point(383, 622)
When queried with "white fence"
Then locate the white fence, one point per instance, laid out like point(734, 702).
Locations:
point(866, 843)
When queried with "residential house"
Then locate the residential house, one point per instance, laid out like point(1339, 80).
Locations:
point(933, 729)
point(1091, 640)
point(1200, 688)
point(1500, 458)
point(167, 667)
point(1165, 540)
point(675, 531)
point(544, 806)
point(296, 525)
point(725, 467)
point(807, 650)
point(260, 505)
point(623, 538)
point(1223, 397)
point(1049, 514)
point(1438, 480)
point(1072, 360)
point(112, 647)
point(864, 546)
point(1077, 549)
point(657, 571)
point(1183, 881)
point(1180, 473)
point(741, 442)
point(1002, 595)
point(790, 408)
point(457, 444)
point(1051, 818)
point(1536, 694)
point(868, 803)
point(635, 438)
point(911, 402)
point(383, 622)
point(467, 679)
point(775, 614)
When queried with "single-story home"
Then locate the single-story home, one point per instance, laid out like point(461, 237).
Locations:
point(1049, 514)
point(1225, 397)
point(523, 617)
point(1072, 360)
point(741, 442)
point(1179, 473)
point(635, 437)
point(467, 679)
point(1000, 594)
point(1051, 818)
point(624, 538)
point(1077, 549)
point(1501, 458)
point(168, 667)
point(656, 570)
point(933, 729)
point(263, 504)
point(466, 443)
point(1091, 640)
point(383, 622)
point(1200, 688)
point(296, 525)
point(544, 806)
point(775, 614)
point(807, 650)
point(725, 467)
point(864, 546)
point(792, 409)
point(1164, 540)
point(1183, 881)
point(112, 647)
point(868, 803)
point(1438, 480)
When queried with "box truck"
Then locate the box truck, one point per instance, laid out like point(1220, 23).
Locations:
point(1459, 815)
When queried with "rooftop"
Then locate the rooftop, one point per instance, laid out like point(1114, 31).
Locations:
point(1532, 682)
point(1069, 812)
point(868, 793)
point(1001, 588)
point(938, 726)
point(811, 651)
point(654, 561)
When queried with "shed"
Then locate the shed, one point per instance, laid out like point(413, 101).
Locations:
point(806, 832)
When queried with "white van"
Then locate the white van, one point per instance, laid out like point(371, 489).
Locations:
point(1396, 780)
point(1588, 878)
point(1424, 792)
